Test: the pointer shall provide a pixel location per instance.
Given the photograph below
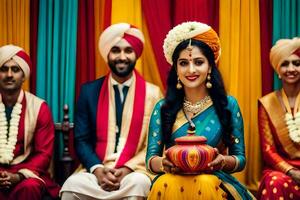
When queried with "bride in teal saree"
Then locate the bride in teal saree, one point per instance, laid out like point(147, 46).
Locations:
point(196, 95)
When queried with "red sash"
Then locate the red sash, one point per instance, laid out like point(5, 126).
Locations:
point(135, 126)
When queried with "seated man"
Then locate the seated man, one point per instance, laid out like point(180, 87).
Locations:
point(111, 123)
point(26, 132)
point(279, 126)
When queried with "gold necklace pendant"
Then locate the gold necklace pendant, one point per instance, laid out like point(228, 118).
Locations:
point(198, 106)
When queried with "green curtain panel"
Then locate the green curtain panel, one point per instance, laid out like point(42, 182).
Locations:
point(56, 55)
point(286, 15)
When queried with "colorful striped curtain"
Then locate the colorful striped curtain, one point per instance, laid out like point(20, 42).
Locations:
point(240, 66)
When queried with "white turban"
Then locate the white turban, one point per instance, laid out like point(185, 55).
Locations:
point(283, 49)
point(16, 53)
point(114, 33)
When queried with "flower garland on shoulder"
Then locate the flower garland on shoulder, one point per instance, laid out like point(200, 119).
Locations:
point(292, 120)
point(9, 130)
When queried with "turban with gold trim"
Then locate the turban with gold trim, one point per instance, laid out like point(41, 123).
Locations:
point(16, 53)
point(282, 50)
point(114, 33)
point(189, 30)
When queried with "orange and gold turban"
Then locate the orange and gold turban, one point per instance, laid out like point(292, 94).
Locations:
point(16, 53)
point(188, 30)
point(283, 49)
point(114, 33)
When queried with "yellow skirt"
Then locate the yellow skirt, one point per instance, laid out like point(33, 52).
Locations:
point(187, 187)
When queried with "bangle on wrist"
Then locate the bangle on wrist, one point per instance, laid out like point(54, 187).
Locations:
point(161, 167)
point(150, 166)
point(236, 163)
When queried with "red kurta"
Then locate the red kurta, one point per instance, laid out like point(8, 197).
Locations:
point(280, 154)
point(33, 153)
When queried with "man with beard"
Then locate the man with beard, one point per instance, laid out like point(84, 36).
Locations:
point(26, 132)
point(111, 123)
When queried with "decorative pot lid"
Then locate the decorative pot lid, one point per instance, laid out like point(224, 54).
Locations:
point(191, 139)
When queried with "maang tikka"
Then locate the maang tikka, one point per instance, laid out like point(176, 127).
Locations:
point(189, 48)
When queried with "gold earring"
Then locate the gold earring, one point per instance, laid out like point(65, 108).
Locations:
point(178, 85)
point(208, 83)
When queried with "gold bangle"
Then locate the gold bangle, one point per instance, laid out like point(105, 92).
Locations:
point(236, 164)
point(149, 165)
point(161, 168)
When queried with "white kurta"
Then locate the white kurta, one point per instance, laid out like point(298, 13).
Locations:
point(86, 185)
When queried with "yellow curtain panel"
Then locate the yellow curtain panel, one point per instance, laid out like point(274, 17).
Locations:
point(240, 66)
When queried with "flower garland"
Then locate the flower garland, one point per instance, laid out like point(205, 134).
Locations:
point(179, 33)
point(8, 136)
point(292, 121)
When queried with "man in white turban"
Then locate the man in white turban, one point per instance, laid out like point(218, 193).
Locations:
point(26, 132)
point(111, 123)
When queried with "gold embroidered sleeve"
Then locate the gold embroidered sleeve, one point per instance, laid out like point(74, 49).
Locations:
point(269, 151)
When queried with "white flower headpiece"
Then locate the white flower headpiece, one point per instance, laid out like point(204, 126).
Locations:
point(180, 33)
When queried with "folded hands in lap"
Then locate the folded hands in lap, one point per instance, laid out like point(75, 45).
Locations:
point(7, 179)
point(109, 178)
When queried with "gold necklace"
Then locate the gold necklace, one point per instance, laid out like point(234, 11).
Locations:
point(198, 106)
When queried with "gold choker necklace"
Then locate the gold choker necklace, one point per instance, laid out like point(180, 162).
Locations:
point(198, 106)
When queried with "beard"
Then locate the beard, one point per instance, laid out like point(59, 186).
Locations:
point(121, 71)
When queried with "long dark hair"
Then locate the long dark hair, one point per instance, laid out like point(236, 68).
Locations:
point(174, 97)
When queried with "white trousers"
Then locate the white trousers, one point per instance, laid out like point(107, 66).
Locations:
point(84, 186)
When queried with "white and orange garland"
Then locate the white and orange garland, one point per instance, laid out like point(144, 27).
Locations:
point(8, 136)
point(292, 120)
